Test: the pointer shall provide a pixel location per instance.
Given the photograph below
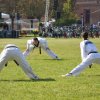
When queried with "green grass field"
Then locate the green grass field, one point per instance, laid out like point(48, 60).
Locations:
point(15, 85)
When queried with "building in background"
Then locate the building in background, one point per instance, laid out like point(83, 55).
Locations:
point(89, 10)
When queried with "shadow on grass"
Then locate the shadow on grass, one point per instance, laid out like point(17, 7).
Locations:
point(45, 79)
point(94, 75)
point(53, 59)
point(41, 80)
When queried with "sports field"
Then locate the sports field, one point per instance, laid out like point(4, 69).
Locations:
point(15, 85)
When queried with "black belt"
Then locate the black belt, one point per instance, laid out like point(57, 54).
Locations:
point(92, 52)
point(11, 47)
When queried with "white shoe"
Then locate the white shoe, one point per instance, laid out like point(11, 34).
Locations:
point(57, 58)
point(67, 75)
point(63, 75)
point(35, 78)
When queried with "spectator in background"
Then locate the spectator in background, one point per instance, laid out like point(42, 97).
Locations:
point(5, 29)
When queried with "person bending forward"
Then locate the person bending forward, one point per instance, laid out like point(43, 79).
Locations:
point(12, 52)
point(39, 43)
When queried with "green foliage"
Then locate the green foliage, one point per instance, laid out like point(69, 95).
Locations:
point(29, 8)
point(14, 84)
point(67, 6)
point(26, 8)
point(68, 16)
point(65, 21)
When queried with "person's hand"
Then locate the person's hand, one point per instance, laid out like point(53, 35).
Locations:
point(90, 66)
point(47, 48)
point(40, 50)
point(6, 64)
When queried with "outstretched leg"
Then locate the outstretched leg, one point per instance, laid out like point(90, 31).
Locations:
point(51, 53)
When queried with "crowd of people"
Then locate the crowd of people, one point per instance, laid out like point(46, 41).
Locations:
point(69, 31)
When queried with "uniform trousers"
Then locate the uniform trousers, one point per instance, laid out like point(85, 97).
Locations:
point(13, 53)
point(91, 58)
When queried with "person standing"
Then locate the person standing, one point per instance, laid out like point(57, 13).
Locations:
point(39, 42)
point(12, 52)
point(89, 55)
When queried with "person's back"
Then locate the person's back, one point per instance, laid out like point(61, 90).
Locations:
point(87, 47)
point(10, 45)
point(12, 52)
point(42, 42)
point(90, 47)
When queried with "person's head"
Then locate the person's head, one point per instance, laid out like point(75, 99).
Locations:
point(85, 35)
point(35, 41)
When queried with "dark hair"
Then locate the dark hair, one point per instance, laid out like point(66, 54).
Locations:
point(85, 35)
point(35, 39)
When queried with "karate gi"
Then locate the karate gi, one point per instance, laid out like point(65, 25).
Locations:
point(43, 44)
point(12, 52)
point(89, 54)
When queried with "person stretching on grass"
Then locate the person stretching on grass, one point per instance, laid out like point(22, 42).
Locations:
point(89, 54)
point(39, 42)
point(12, 52)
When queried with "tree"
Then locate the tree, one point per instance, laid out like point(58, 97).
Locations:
point(67, 7)
point(31, 8)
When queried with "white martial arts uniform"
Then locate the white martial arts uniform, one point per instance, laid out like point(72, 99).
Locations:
point(12, 52)
point(89, 55)
point(43, 44)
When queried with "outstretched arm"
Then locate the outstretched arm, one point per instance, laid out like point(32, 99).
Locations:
point(90, 66)
point(40, 50)
point(14, 61)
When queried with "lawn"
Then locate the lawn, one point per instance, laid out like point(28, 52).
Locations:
point(15, 85)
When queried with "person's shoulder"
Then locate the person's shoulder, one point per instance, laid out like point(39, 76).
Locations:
point(87, 41)
point(82, 42)
point(30, 40)
point(41, 38)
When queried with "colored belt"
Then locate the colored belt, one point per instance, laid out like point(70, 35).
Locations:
point(11, 47)
point(92, 52)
